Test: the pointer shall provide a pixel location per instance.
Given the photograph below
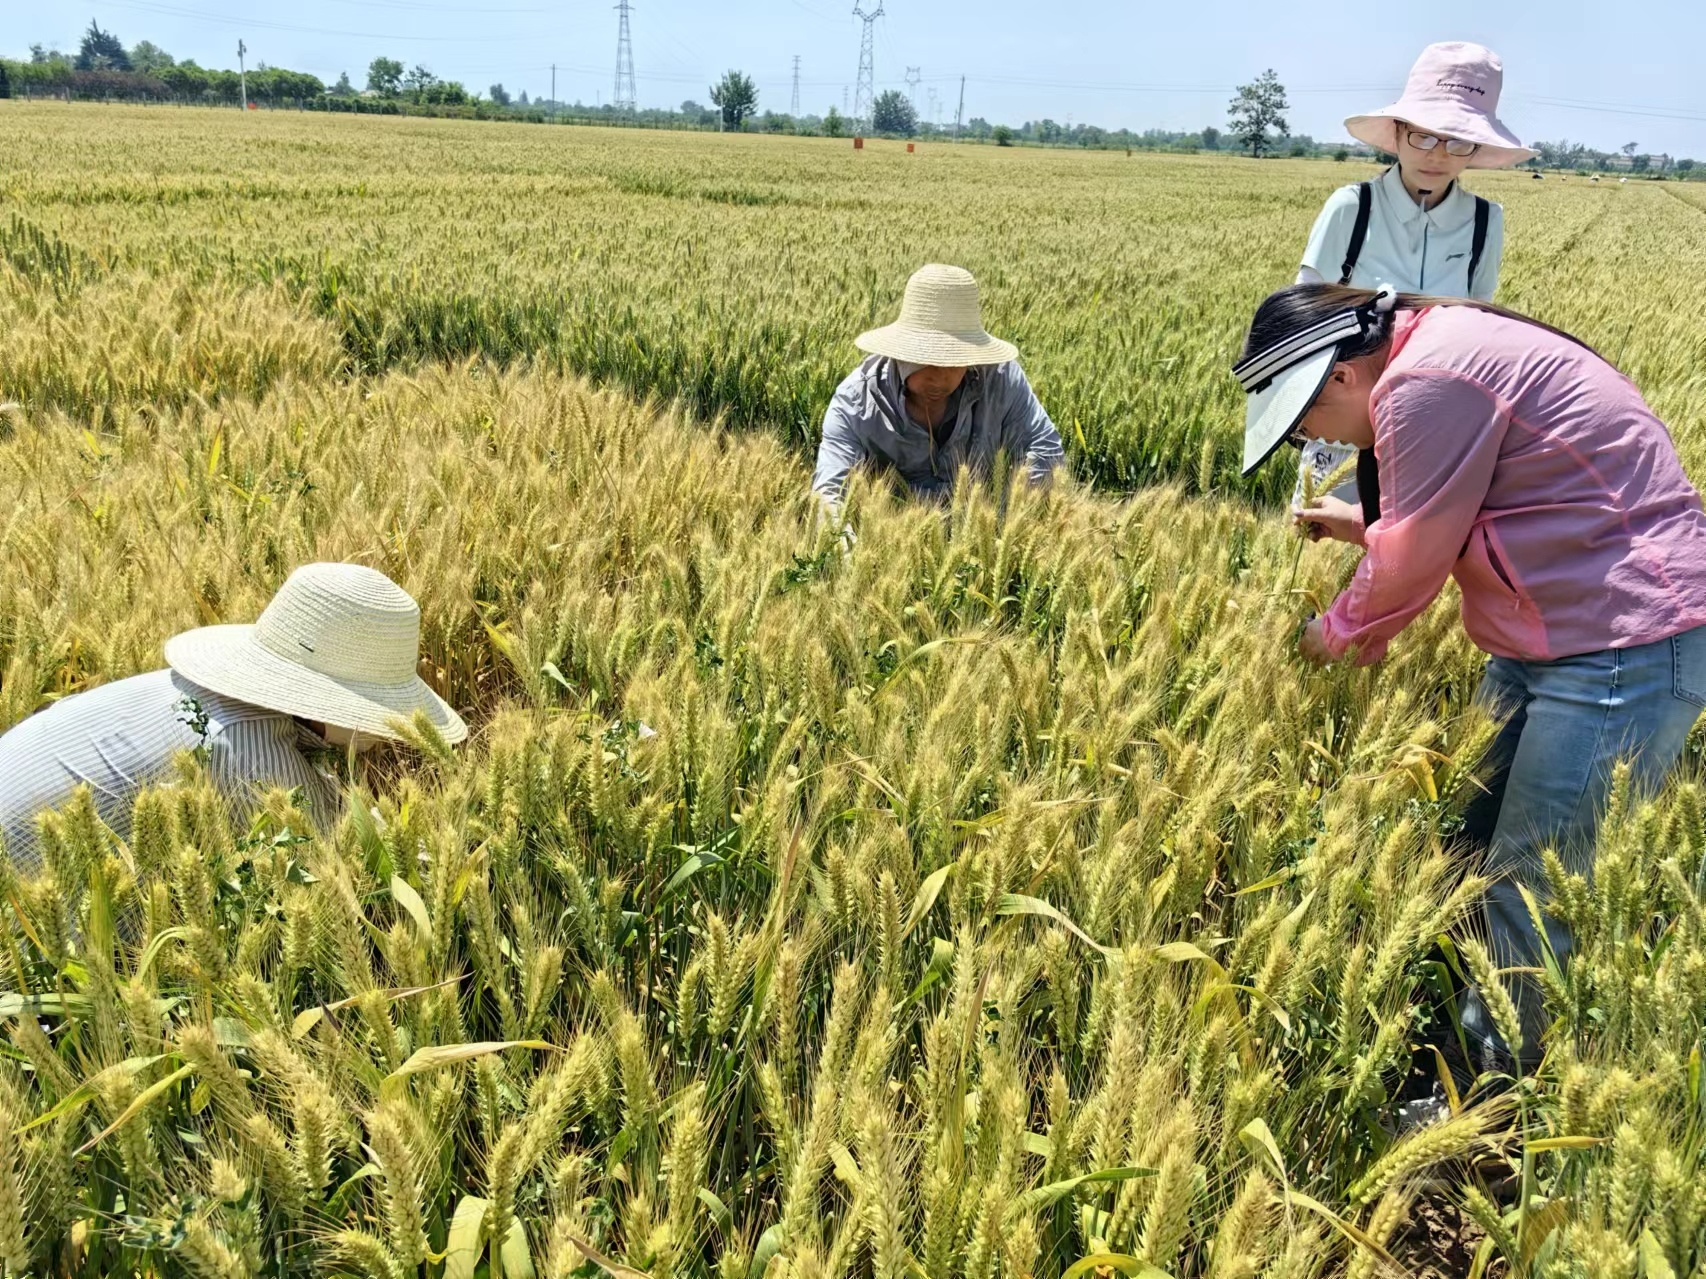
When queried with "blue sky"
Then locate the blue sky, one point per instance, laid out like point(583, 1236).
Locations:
point(1601, 73)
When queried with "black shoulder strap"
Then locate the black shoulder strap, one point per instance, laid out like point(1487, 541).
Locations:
point(1368, 486)
point(1359, 232)
point(1483, 216)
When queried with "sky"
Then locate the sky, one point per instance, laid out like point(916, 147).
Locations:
point(1600, 73)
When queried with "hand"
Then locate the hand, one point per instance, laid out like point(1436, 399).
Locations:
point(1333, 518)
point(1312, 645)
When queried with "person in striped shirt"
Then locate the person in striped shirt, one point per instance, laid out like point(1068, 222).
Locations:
point(330, 662)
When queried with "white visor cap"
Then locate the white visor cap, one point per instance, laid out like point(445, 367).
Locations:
point(1281, 382)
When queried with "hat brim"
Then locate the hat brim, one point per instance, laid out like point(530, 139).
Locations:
point(1500, 148)
point(1272, 413)
point(936, 348)
point(227, 660)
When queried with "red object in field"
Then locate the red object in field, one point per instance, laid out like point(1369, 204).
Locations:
point(254, 106)
point(858, 144)
point(910, 148)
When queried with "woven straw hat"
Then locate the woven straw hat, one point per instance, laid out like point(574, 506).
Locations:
point(338, 644)
point(940, 324)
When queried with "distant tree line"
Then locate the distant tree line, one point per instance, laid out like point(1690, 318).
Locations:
point(103, 69)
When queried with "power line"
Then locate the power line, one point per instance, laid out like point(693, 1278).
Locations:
point(624, 98)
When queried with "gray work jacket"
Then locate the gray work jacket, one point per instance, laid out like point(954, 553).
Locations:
point(867, 424)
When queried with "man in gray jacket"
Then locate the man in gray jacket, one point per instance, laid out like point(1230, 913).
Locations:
point(936, 393)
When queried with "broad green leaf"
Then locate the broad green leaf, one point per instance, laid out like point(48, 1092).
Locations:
point(1182, 952)
point(462, 1252)
point(687, 870)
point(769, 1244)
point(615, 1268)
point(941, 960)
point(719, 1211)
point(1018, 904)
point(306, 1020)
point(403, 893)
point(81, 1095)
point(1055, 1191)
point(1355, 1234)
point(141, 1100)
point(425, 1059)
point(517, 1256)
point(1564, 1143)
point(156, 944)
point(1654, 1263)
point(925, 898)
point(1258, 1138)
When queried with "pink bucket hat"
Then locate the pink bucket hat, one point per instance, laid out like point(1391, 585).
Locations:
point(1453, 91)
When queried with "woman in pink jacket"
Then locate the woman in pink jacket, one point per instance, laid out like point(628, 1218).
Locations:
point(1513, 458)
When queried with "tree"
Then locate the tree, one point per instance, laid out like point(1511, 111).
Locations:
point(737, 95)
point(385, 76)
point(1210, 138)
point(149, 58)
point(892, 112)
point(1685, 166)
point(498, 94)
point(343, 88)
point(1257, 108)
point(101, 51)
point(1003, 136)
point(1629, 149)
point(419, 80)
point(522, 100)
point(834, 124)
point(1640, 163)
point(5, 83)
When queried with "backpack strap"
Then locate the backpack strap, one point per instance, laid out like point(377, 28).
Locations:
point(1483, 218)
point(1359, 232)
point(1368, 486)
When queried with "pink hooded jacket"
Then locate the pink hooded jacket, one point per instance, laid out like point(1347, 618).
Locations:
point(1534, 473)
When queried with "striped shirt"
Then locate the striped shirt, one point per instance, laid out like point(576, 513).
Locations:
point(122, 737)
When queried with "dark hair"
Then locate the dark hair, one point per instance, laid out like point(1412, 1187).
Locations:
point(1299, 306)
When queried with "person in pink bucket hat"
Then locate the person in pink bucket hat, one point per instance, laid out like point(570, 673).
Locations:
point(1420, 231)
point(1415, 227)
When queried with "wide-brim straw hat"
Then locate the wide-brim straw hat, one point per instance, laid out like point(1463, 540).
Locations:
point(940, 324)
point(1453, 91)
point(339, 644)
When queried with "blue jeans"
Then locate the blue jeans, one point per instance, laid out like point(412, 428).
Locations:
point(1548, 773)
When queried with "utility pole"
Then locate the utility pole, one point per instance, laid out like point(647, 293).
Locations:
point(958, 115)
point(865, 88)
point(625, 95)
point(935, 107)
point(794, 107)
point(913, 76)
point(243, 73)
point(553, 88)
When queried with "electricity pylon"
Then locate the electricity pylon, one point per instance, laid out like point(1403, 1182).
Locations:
point(865, 92)
point(624, 99)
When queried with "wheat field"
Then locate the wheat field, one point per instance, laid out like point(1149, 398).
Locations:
point(1001, 898)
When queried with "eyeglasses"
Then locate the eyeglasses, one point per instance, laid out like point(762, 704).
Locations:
point(1453, 146)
